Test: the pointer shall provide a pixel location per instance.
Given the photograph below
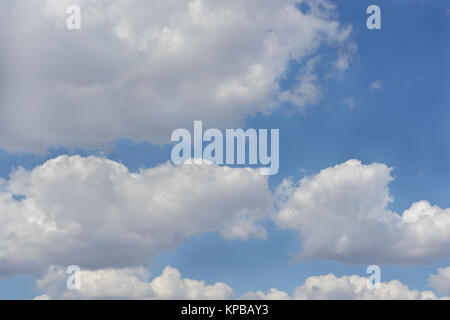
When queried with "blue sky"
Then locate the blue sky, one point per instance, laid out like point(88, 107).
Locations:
point(404, 125)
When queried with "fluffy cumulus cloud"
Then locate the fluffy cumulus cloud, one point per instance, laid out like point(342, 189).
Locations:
point(130, 283)
point(139, 69)
point(353, 287)
point(342, 214)
point(441, 281)
point(94, 213)
point(134, 283)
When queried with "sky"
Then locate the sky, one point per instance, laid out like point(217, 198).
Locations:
point(85, 150)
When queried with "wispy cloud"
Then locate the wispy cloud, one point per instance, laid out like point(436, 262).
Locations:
point(350, 103)
point(376, 85)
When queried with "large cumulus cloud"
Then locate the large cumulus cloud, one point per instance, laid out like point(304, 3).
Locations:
point(342, 214)
point(94, 213)
point(139, 69)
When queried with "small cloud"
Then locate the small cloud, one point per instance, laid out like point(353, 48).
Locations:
point(304, 171)
point(448, 12)
point(376, 85)
point(350, 102)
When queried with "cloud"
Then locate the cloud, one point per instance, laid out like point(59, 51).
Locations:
point(350, 103)
point(139, 70)
point(134, 283)
point(441, 281)
point(100, 215)
point(376, 85)
point(272, 294)
point(330, 287)
point(130, 283)
point(94, 213)
point(307, 90)
point(342, 214)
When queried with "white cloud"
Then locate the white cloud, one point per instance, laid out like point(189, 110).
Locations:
point(330, 287)
point(376, 85)
point(272, 294)
point(342, 214)
point(94, 213)
point(139, 70)
point(130, 283)
point(134, 283)
point(350, 102)
point(441, 281)
point(307, 90)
